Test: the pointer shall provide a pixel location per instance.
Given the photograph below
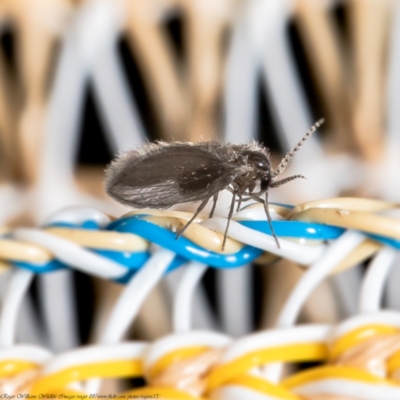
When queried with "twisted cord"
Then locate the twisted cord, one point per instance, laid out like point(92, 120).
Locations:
point(116, 249)
point(362, 362)
point(362, 357)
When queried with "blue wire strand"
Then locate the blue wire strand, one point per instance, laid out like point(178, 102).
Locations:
point(184, 247)
point(186, 250)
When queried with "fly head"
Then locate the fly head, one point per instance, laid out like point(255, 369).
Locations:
point(261, 169)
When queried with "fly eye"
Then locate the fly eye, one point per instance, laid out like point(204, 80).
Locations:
point(259, 161)
point(262, 165)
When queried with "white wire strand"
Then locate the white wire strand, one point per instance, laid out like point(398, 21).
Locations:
point(125, 130)
point(89, 46)
point(72, 254)
point(55, 188)
point(134, 294)
point(60, 319)
point(301, 254)
point(240, 87)
point(95, 354)
point(317, 272)
point(282, 79)
point(335, 253)
point(17, 288)
point(130, 301)
point(390, 175)
point(259, 46)
point(183, 301)
point(374, 281)
point(233, 288)
point(59, 316)
point(29, 329)
point(342, 283)
point(234, 298)
point(202, 316)
point(79, 214)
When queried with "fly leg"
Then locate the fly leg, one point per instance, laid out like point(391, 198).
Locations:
point(229, 220)
point(266, 208)
point(215, 199)
point(198, 211)
point(244, 199)
point(240, 199)
point(239, 203)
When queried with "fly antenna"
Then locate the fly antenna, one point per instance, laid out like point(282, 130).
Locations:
point(285, 160)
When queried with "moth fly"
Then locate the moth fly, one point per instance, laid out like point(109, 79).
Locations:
point(160, 175)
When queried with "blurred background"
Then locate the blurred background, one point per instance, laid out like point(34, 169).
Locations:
point(81, 80)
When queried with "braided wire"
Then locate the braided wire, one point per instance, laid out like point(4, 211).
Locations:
point(361, 356)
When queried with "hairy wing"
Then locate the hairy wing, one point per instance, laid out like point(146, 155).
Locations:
point(162, 175)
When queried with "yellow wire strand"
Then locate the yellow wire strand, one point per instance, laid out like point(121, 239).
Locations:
point(288, 353)
point(174, 357)
point(359, 335)
point(13, 367)
point(109, 369)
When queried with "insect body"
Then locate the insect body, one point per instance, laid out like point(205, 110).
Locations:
point(163, 174)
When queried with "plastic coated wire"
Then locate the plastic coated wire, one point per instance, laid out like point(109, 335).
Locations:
point(82, 239)
point(122, 264)
point(230, 365)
